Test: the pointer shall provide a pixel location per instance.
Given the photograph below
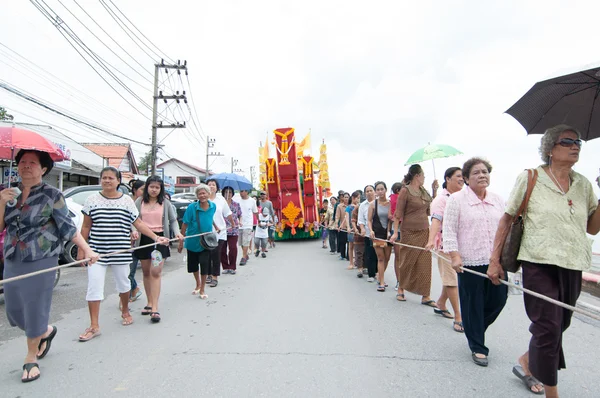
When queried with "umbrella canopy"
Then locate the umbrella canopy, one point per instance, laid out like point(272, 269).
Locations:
point(12, 139)
point(235, 181)
point(431, 152)
point(570, 99)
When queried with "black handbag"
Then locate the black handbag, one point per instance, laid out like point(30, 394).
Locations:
point(208, 241)
point(512, 243)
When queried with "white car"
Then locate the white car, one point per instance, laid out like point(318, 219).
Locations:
point(69, 254)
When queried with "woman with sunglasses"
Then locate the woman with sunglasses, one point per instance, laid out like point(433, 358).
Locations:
point(554, 251)
point(37, 224)
point(158, 214)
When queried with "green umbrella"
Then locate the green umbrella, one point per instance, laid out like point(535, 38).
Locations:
point(431, 152)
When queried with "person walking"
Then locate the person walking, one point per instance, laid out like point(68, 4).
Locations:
point(322, 222)
point(37, 224)
point(370, 257)
point(222, 213)
point(137, 191)
point(158, 214)
point(347, 225)
point(261, 234)
point(453, 182)
point(249, 211)
point(330, 225)
point(470, 222)
point(340, 217)
point(108, 217)
point(229, 251)
point(198, 219)
point(554, 251)
point(379, 227)
point(411, 223)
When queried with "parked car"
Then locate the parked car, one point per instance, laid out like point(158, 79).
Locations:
point(185, 196)
point(181, 206)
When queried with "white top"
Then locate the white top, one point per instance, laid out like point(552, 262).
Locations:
point(248, 207)
point(363, 213)
point(111, 226)
point(221, 213)
point(262, 227)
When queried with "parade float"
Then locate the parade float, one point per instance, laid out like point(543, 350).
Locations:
point(295, 183)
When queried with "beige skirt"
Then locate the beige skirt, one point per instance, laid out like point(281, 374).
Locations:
point(447, 273)
point(415, 264)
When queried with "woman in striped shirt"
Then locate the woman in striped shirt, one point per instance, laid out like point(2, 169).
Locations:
point(108, 217)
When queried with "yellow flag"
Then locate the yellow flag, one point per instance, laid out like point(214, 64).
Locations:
point(303, 145)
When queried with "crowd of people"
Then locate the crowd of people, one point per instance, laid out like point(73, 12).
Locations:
point(465, 227)
point(469, 224)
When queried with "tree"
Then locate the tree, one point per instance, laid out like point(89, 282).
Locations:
point(145, 163)
point(4, 115)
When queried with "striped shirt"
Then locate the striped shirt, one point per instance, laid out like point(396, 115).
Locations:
point(111, 226)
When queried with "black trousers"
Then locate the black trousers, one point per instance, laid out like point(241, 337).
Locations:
point(342, 244)
point(370, 258)
point(549, 321)
point(332, 240)
point(214, 268)
point(480, 304)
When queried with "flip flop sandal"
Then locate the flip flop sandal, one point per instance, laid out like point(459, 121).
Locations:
point(147, 311)
point(195, 292)
point(459, 324)
point(203, 296)
point(381, 288)
point(214, 283)
point(400, 299)
point(155, 317)
point(529, 381)
point(92, 332)
point(429, 303)
point(445, 313)
point(125, 322)
point(48, 341)
point(27, 367)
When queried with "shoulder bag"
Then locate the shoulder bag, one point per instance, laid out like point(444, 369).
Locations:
point(512, 243)
point(208, 241)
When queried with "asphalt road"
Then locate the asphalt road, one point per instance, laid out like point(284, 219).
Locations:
point(295, 324)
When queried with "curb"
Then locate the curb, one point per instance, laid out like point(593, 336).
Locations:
point(588, 307)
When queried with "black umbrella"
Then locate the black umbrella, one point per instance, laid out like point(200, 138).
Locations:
point(570, 99)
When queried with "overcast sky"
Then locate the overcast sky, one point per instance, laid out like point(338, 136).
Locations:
point(376, 80)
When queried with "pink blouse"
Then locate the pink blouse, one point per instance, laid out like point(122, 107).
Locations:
point(437, 211)
point(470, 225)
point(152, 216)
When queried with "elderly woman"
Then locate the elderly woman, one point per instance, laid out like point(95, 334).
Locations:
point(198, 218)
point(470, 222)
point(108, 217)
point(36, 229)
point(410, 220)
point(453, 182)
point(158, 214)
point(554, 251)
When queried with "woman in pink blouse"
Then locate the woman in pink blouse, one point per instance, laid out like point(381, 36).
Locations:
point(453, 182)
point(470, 222)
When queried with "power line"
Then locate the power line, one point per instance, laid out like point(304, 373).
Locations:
point(44, 105)
point(149, 41)
point(66, 31)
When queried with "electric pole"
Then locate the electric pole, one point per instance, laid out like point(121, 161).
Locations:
point(252, 175)
point(234, 162)
point(210, 143)
point(159, 95)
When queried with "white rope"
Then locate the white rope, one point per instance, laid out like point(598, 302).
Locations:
point(466, 269)
point(16, 278)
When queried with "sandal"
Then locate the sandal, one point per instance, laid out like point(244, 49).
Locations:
point(203, 296)
point(48, 341)
point(27, 368)
point(381, 288)
point(155, 317)
point(195, 292)
point(400, 295)
point(127, 319)
point(214, 283)
point(147, 311)
point(529, 381)
point(445, 313)
point(429, 303)
point(461, 329)
point(89, 334)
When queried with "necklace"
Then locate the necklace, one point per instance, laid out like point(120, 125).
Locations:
point(569, 201)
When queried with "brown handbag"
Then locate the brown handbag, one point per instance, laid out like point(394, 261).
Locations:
point(512, 243)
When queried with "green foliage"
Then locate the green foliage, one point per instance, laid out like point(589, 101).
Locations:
point(145, 163)
point(4, 115)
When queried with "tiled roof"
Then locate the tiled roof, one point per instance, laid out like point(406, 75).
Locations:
point(115, 153)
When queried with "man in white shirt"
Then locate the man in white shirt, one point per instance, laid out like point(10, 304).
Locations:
point(222, 212)
point(249, 210)
point(370, 257)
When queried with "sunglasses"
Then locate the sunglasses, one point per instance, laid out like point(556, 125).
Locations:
point(568, 142)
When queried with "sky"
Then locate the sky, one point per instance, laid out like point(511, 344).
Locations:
point(376, 80)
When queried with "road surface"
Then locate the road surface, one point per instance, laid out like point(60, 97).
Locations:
point(295, 324)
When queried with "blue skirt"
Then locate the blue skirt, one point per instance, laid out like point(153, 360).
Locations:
point(28, 300)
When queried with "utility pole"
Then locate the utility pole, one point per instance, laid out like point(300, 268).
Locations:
point(210, 143)
point(159, 95)
point(252, 175)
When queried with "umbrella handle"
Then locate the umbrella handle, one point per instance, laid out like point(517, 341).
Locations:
point(433, 163)
point(10, 169)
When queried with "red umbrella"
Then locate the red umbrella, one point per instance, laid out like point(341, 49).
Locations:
point(12, 139)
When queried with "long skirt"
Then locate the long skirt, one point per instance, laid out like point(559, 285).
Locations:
point(415, 264)
point(28, 300)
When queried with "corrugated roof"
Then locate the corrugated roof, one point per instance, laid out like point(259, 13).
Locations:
point(115, 153)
